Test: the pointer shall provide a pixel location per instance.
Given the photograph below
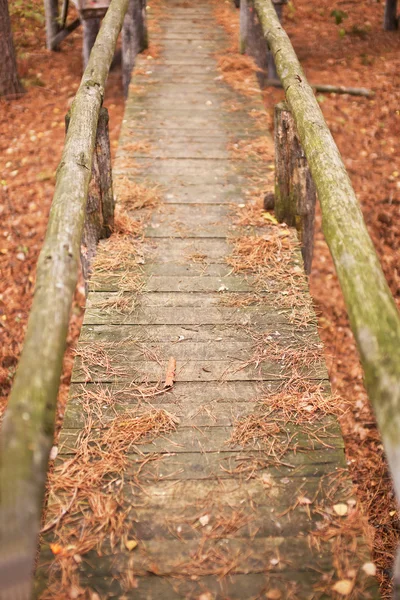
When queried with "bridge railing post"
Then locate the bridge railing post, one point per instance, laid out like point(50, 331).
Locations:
point(244, 9)
point(252, 40)
point(99, 219)
point(295, 194)
point(134, 38)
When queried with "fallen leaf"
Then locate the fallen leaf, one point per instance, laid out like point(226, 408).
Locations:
point(273, 594)
point(56, 548)
point(130, 544)
point(75, 592)
point(270, 218)
point(369, 569)
point(170, 375)
point(343, 587)
point(340, 509)
point(303, 500)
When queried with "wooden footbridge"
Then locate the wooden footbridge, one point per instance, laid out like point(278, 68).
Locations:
point(200, 455)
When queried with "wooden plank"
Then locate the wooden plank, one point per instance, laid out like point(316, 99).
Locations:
point(216, 439)
point(201, 370)
point(212, 413)
point(199, 392)
point(176, 284)
point(173, 557)
point(234, 587)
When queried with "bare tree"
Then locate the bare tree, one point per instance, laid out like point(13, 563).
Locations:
point(9, 82)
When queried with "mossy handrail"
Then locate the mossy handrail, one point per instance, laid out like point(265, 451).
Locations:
point(28, 426)
point(374, 318)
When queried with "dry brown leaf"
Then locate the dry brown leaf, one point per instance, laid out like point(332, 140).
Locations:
point(273, 594)
point(170, 376)
point(131, 544)
point(343, 587)
point(341, 509)
point(369, 569)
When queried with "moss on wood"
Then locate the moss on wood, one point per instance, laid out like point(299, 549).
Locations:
point(373, 315)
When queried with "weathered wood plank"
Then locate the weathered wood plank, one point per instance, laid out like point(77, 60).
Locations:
point(173, 557)
point(208, 413)
point(160, 283)
point(216, 439)
point(234, 587)
point(199, 392)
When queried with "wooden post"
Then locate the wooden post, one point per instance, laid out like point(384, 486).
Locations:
point(256, 43)
point(295, 195)
point(390, 21)
point(52, 26)
point(103, 159)
point(244, 9)
point(134, 38)
point(91, 28)
point(99, 219)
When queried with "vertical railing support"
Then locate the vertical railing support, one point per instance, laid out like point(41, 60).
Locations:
point(99, 220)
point(90, 29)
point(295, 195)
point(390, 20)
point(253, 41)
point(134, 38)
point(52, 26)
point(243, 26)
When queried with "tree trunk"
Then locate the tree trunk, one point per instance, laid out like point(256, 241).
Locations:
point(390, 22)
point(52, 25)
point(9, 82)
point(134, 38)
point(90, 30)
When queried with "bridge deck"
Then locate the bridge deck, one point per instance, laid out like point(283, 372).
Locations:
point(232, 483)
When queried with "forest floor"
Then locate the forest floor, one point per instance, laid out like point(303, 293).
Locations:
point(355, 52)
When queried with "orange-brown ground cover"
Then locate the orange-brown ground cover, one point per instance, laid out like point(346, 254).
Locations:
point(355, 53)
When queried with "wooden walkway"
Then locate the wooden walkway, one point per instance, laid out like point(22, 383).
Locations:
point(240, 489)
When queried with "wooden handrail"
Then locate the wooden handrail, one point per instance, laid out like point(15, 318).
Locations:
point(28, 426)
point(374, 318)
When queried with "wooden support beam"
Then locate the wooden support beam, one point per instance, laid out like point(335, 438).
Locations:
point(295, 195)
point(330, 89)
point(134, 38)
point(390, 20)
point(63, 33)
point(28, 425)
point(99, 218)
point(52, 26)
point(90, 30)
point(244, 26)
point(252, 40)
